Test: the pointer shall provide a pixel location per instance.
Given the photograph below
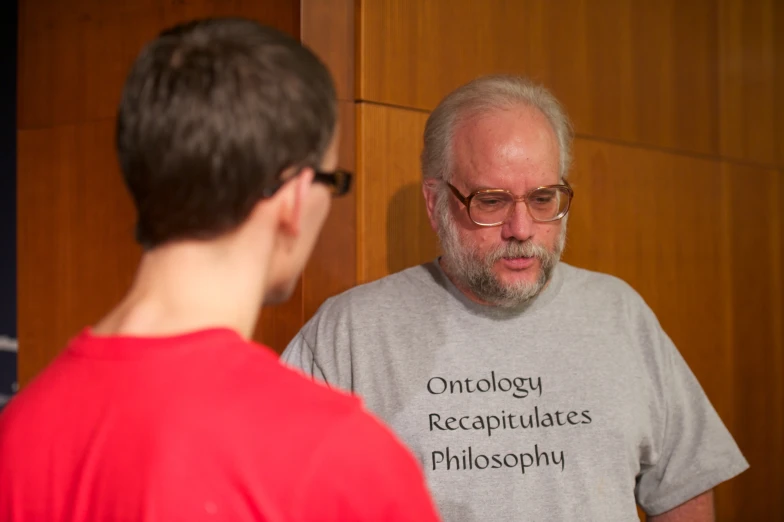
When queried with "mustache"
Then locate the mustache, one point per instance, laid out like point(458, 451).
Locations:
point(519, 249)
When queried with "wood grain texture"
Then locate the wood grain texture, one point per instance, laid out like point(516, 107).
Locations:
point(755, 198)
point(392, 227)
point(332, 267)
point(76, 253)
point(74, 56)
point(328, 28)
point(279, 324)
point(412, 52)
point(638, 72)
point(75, 250)
point(752, 80)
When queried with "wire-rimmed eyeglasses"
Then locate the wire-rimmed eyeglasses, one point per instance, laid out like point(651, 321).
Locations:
point(492, 207)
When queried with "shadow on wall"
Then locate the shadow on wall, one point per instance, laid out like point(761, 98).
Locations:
point(410, 240)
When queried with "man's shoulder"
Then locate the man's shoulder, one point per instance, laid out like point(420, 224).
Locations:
point(602, 297)
point(405, 281)
point(389, 291)
point(598, 286)
point(301, 395)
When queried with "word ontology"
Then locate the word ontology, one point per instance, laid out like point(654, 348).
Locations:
point(469, 460)
point(519, 387)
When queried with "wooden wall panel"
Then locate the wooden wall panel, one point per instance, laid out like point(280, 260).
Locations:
point(278, 324)
point(413, 52)
point(755, 198)
point(74, 56)
point(76, 253)
point(75, 250)
point(392, 227)
point(752, 80)
point(641, 72)
point(328, 28)
point(332, 267)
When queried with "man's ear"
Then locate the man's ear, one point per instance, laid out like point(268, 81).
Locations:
point(293, 195)
point(430, 190)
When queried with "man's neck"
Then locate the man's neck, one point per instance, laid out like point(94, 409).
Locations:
point(189, 286)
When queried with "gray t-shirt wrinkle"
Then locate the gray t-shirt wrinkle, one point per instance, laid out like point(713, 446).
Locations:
point(573, 407)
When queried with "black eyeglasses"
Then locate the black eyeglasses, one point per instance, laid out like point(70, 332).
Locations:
point(338, 182)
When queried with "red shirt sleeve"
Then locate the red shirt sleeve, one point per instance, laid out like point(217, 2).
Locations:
point(362, 472)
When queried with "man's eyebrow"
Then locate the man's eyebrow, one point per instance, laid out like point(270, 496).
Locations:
point(474, 188)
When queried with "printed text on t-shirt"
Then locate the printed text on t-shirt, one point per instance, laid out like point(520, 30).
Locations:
point(473, 457)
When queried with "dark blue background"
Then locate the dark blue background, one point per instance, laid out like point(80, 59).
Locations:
point(8, 34)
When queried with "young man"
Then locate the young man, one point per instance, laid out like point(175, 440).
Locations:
point(164, 410)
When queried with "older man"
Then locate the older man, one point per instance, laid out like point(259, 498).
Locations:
point(528, 388)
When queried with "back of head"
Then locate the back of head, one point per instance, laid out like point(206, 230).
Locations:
point(212, 112)
point(480, 96)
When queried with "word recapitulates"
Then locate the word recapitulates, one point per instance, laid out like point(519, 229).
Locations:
point(509, 421)
point(486, 425)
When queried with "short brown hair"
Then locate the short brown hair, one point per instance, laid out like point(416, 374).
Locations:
point(212, 112)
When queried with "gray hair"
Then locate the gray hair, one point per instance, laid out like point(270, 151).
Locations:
point(480, 96)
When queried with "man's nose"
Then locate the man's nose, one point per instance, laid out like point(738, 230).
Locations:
point(519, 225)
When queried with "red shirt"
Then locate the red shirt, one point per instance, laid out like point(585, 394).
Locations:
point(202, 426)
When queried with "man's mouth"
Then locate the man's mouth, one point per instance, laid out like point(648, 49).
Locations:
point(518, 263)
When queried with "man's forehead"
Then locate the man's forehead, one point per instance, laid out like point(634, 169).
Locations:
point(499, 128)
point(504, 144)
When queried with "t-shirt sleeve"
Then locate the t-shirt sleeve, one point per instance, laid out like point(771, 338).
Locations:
point(691, 449)
point(362, 472)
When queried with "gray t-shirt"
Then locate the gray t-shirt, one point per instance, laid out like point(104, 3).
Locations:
point(570, 409)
